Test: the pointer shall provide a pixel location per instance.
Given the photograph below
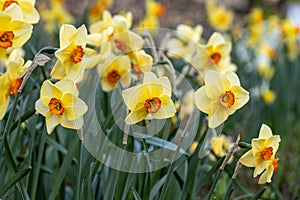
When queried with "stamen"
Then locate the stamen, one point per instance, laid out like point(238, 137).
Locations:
point(77, 54)
point(113, 76)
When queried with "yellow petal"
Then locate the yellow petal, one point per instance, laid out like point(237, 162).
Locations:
point(131, 96)
point(41, 108)
point(4, 102)
point(73, 124)
point(48, 91)
point(136, 116)
point(241, 97)
point(214, 84)
point(265, 132)
point(74, 107)
point(217, 115)
point(58, 71)
point(248, 159)
point(67, 86)
point(233, 78)
point(201, 100)
point(66, 34)
point(266, 175)
point(31, 15)
point(273, 141)
point(52, 121)
point(22, 33)
point(260, 166)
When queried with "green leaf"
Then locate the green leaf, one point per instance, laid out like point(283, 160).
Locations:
point(17, 177)
point(135, 194)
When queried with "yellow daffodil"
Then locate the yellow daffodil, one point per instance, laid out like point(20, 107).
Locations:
point(115, 69)
point(56, 16)
point(193, 147)
point(219, 17)
point(214, 55)
point(154, 8)
point(266, 71)
point(71, 53)
point(11, 80)
point(256, 16)
point(141, 62)
point(97, 9)
point(262, 154)
point(268, 96)
point(110, 25)
point(60, 104)
point(185, 43)
point(220, 145)
point(30, 14)
point(13, 33)
point(220, 97)
point(150, 100)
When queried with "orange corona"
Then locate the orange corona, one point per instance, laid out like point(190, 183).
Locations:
point(216, 57)
point(267, 153)
point(152, 105)
point(56, 107)
point(8, 3)
point(77, 54)
point(6, 39)
point(227, 99)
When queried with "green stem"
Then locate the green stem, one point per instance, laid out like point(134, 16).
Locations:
point(38, 164)
point(211, 191)
point(78, 181)
point(170, 171)
point(245, 145)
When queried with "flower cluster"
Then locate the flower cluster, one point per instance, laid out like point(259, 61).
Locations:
point(16, 19)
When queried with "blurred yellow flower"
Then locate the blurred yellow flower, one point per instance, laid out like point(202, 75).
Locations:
point(266, 71)
point(193, 147)
point(13, 32)
point(268, 96)
point(290, 33)
point(150, 100)
point(114, 69)
point(30, 14)
point(215, 55)
point(97, 9)
point(71, 53)
point(60, 104)
point(220, 97)
point(187, 106)
point(141, 62)
point(256, 16)
point(56, 16)
point(185, 42)
point(220, 145)
point(154, 8)
point(11, 80)
point(110, 25)
point(262, 154)
point(219, 17)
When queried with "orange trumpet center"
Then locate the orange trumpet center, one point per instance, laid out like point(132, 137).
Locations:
point(8, 3)
point(152, 105)
point(113, 76)
point(6, 39)
point(56, 107)
point(267, 153)
point(77, 54)
point(15, 85)
point(227, 99)
point(275, 163)
point(216, 57)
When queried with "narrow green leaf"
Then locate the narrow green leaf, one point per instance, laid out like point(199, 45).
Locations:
point(65, 167)
point(17, 177)
point(135, 194)
point(259, 194)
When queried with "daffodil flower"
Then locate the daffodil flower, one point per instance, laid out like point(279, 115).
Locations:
point(218, 16)
point(55, 16)
point(71, 53)
point(11, 80)
point(150, 100)
point(220, 145)
point(262, 154)
point(220, 97)
point(115, 69)
point(30, 14)
point(13, 32)
point(60, 104)
point(215, 55)
point(185, 43)
point(141, 62)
